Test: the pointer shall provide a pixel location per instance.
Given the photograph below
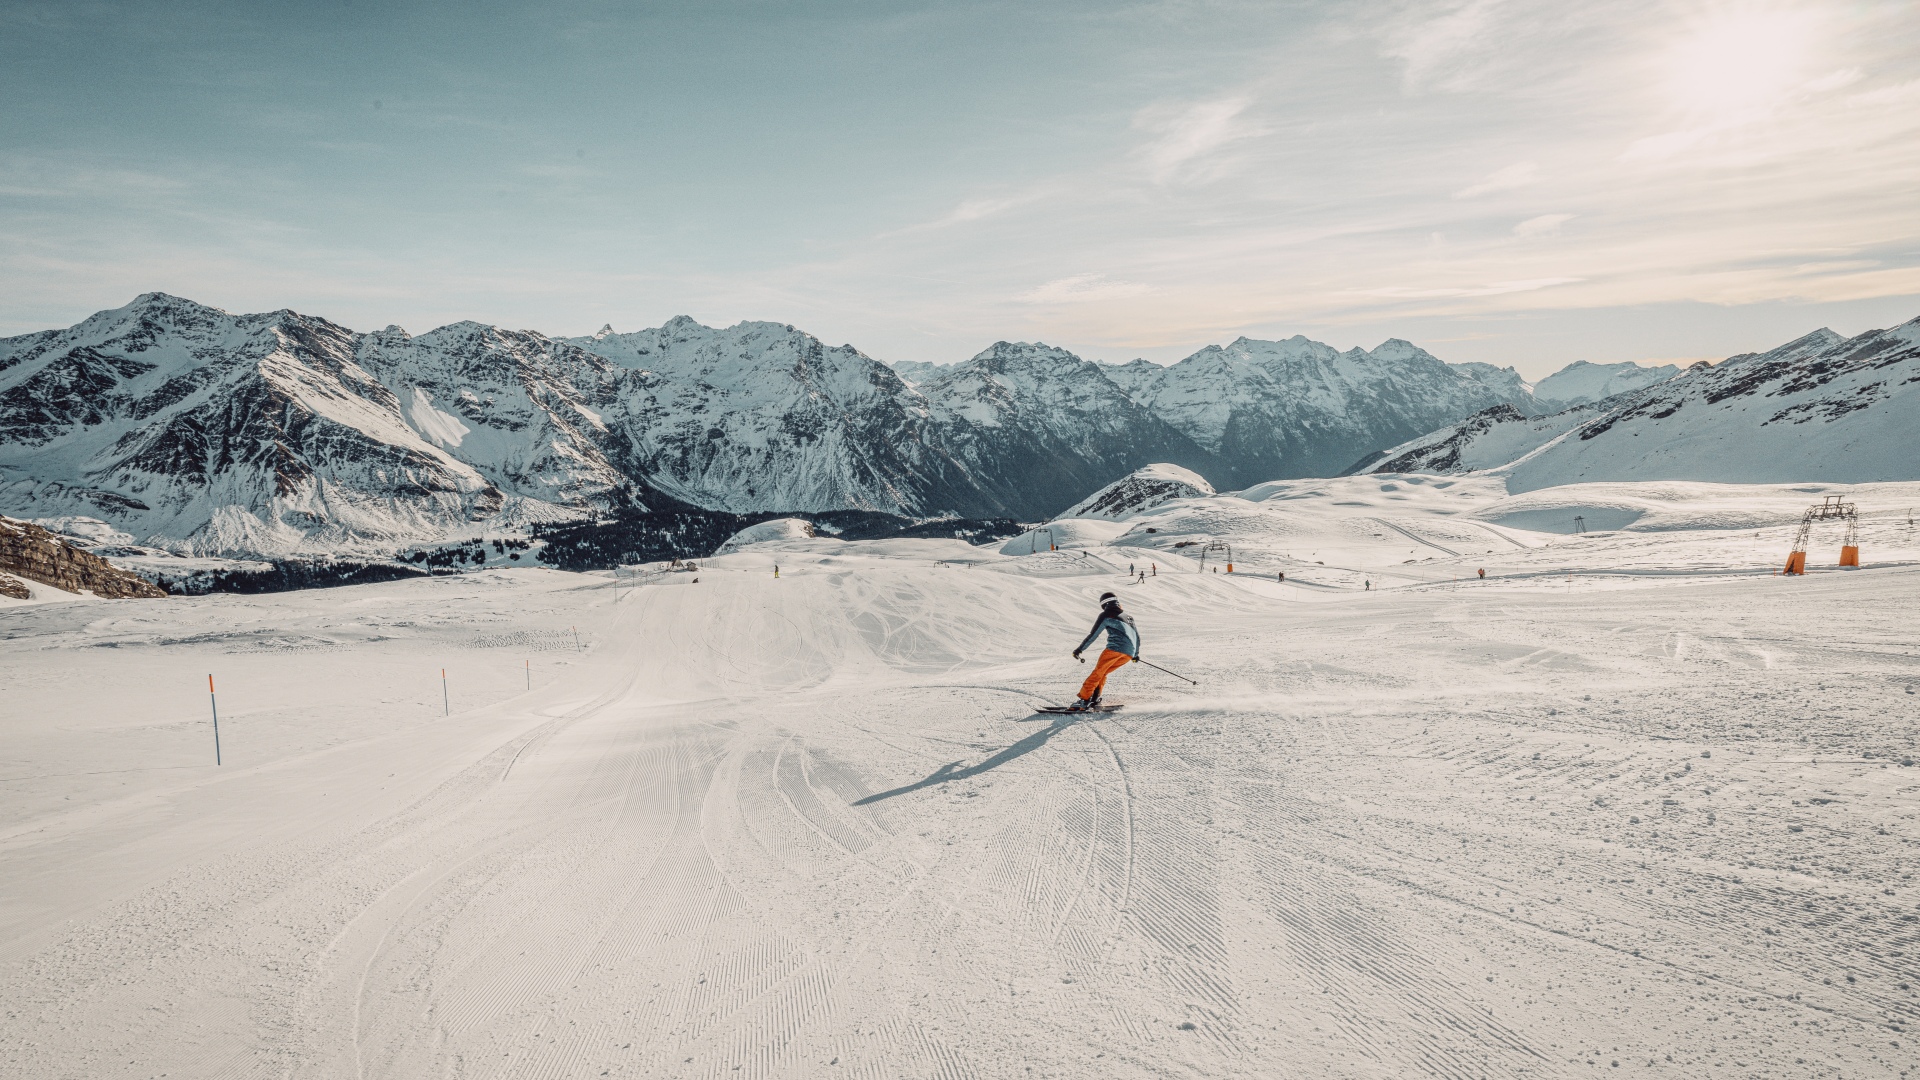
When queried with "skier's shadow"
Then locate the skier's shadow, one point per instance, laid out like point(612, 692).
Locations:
point(953, 770)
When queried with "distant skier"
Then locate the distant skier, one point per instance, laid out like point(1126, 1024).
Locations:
point(1123, 645)
point(1483, 574)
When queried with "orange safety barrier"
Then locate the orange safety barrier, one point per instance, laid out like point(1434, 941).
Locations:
point(1850, 556)
point(1797, 563)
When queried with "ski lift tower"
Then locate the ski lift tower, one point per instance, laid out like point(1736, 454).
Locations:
point(1830, 508)
point(1215, 545)
point(1033, 540)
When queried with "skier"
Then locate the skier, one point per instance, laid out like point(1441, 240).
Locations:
point(1123, 645)
point(1483, 574)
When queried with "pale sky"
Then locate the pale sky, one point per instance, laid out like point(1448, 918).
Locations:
point(1527, 182)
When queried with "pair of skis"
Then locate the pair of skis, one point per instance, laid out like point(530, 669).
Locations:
point(1062, 710)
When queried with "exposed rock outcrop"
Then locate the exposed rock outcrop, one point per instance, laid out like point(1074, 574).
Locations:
point(34, 553)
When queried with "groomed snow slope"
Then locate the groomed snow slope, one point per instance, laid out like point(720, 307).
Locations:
point(811, 827)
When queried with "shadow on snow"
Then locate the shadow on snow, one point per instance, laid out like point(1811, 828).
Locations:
point(954, 770)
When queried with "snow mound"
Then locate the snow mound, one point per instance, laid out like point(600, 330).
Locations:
point(1141, 490)
point(1070, 533)
point(779, 530)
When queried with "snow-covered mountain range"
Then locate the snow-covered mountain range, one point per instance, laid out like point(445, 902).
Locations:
point(1819, 408)
point(1259, 410)
point(1580, 382)
point(207, 432)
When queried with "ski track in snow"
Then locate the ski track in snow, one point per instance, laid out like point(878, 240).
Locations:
point(809, 827)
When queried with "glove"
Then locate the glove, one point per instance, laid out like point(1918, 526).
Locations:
point(1076, 656)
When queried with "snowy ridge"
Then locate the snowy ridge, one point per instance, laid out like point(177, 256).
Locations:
point(761, 416)
point(1141, 490)
point(777, 531)
point(1580, 382)
point(1817, 408)
point(210, 433)
point(258, 432)
point(1268, 409)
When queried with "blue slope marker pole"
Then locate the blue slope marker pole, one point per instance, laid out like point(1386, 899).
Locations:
point(215, 702)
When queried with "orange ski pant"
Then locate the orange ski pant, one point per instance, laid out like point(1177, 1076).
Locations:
point(1109, 662)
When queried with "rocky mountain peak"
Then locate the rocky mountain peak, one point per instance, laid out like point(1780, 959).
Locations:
point(1400, 350)
point(192, 428)
point(1816, 408)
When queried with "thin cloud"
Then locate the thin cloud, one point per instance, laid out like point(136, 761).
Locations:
point(1433, 43)
point(1666, 145)
point(1507, 179)
point(1494, 288)
point(967, 211)
point(1186, 136)
point(1457, 45)
point(1835, 80)
point(1898, 94)
point(1544, 225)
point(1082, 288)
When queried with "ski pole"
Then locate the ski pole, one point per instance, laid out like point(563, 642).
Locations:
point(1157, 667)
point(215, 702)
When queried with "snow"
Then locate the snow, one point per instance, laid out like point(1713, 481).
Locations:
point(1581, 381)
point(1816, 408)
point(1633, 798)
point(442, 428)
point(194, 429)
point(775, 532)
point(1142, 489)
point(1066, 532)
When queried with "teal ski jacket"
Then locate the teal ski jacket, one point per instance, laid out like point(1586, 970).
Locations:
point(1122, 635)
